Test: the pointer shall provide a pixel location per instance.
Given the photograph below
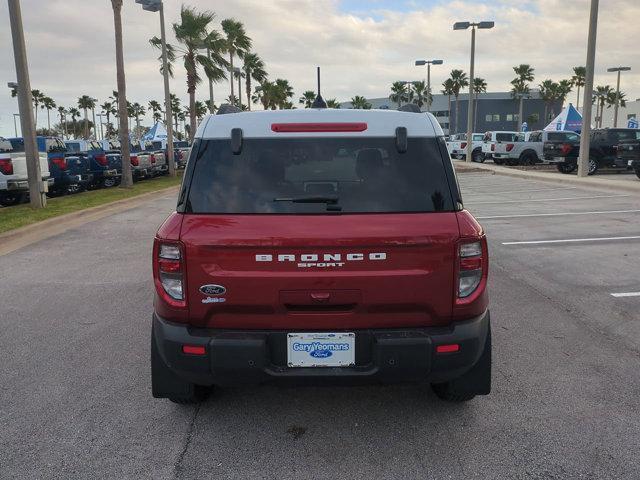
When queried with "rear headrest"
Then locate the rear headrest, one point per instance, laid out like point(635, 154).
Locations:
point(369, 163)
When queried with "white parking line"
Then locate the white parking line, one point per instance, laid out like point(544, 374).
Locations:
point(549, 199)
point(573, 240)
point(519, 191)
point(627, 294)
point(491, 217)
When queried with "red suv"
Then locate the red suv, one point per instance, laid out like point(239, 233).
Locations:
point(320, 244)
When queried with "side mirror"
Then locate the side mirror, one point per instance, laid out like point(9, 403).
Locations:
point(401, 139)
point(236, 141)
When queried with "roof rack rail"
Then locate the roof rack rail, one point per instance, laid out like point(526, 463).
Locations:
point(410, 107)
point(227, 108)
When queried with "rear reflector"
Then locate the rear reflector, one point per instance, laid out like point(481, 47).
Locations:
point(318, 127)
point(194, 350)
point(453, 347)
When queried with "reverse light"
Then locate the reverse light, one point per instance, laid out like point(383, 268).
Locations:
point(470, 268)
point(6, 166)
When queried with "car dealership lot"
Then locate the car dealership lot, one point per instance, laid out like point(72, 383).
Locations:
point(76, 403)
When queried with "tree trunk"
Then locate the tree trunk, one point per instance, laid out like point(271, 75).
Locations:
point(192, 112)
point(456, 128)
point(86, 124)
point(546, 109)
point(231, 72)
point(127, 179)
point(449, 129)
point(247, 85)
point(578, 99)
point(520, 113)
point(475, 113)
point(48, 120)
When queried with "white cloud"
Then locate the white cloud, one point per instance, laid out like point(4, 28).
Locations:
point(71, 46)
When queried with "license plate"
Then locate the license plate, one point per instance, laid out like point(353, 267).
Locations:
point(321, 349)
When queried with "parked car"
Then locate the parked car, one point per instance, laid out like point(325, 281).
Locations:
point(158, 157)
point(452, 140)
point(602, 153)
point(459, 147)
point(141, 163)
point(628, 151)
point(106, 167)
point(491, 139)
point(528, 148)
point(69, 175)
point(181, 151)
point(14, 181)
point(316, 245)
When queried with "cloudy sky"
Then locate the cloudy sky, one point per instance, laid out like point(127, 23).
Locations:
point(362, 45)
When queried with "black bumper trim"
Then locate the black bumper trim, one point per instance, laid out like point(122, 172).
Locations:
point(237, 357)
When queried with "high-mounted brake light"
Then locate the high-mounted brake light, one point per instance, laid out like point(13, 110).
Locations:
point(102, 160)
point(470, 268)
point(134, 160)
point(318, 127)
point(6, 166)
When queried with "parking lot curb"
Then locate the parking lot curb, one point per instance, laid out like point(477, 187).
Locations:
point(589, 182)
point(21, 237)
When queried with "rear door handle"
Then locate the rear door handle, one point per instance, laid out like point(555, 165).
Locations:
point(320, 297)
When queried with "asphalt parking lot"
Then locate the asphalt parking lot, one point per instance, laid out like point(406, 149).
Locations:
point(75, 399)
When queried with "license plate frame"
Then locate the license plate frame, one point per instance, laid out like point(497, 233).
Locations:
point(320, 349)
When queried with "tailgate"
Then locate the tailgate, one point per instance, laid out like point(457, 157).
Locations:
point(320, 272)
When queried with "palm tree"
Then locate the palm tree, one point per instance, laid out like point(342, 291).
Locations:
point(123, 123)
point(333, 103)
point(176, 109)
point(459, 81)
point(74, 112)
point(548, 94)
point(398, 93)
point(193, 34)
point(307, 98)
point(156, 108)
point(520, 86)
point(578, 80)
point(85, 102)
point(48, 104)
point(201, 110)
point(448, 91)
point(360, 103)
point(564, 89)
point(283, 92)
point(422, 93)
point(601, 95)
point(266, 93)
point(479, 86)
point(63, 116)
point(38, 97)
point(253, 70)
point(612, 98)
point(107, 108)
point(236, 42)
point(137, 111)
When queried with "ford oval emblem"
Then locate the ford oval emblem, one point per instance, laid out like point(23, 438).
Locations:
point(321, 353)
point(213, 289)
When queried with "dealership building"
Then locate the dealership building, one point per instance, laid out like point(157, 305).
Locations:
point(496, 111)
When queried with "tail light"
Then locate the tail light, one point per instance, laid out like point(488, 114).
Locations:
point(152, 158)
point(169, 271)
point(565, 148)
point(6, 166)
point(472, 261)
point(60, 162)
point(134, 160)
point(510, 147)
point(493, 147)
point(463, 145)
point(102, 160)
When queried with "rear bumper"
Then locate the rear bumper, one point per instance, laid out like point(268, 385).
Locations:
point(240, 357)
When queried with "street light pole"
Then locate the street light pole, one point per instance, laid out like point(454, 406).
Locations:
point(585, 133)
point(428, 63)
point(15, 125)
point(210, 87)
point(158, 6)
point(465, 26)
point(37, 196)
point(615, 111)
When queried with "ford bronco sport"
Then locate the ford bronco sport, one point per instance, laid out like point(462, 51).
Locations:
point(320, 245)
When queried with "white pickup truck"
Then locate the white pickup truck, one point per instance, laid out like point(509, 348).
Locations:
point(526, 149)
point(491, 139)
point(458, 147)
point(14, 184)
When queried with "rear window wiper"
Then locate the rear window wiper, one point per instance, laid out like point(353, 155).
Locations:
point(330, 200)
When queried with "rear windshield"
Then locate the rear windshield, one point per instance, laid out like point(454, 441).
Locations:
point(563, 137)
point(505, 137)
point(303, 175)
point(5, 146)
point(625, 135)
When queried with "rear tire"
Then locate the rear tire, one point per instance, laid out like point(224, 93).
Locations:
point(166, 384)
point(593, 166)
point(477, 156)
point(12, 199)
point(476, 381)
point(528, 159)
point(109, 182)
point(498, 161)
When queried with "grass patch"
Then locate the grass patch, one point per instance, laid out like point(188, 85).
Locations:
point(21, 215)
